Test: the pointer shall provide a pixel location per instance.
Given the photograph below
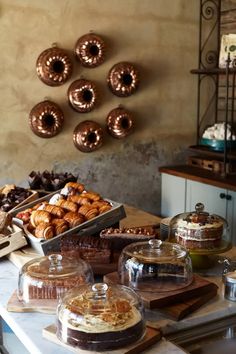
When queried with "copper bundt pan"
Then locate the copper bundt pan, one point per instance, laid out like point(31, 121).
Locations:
point(54, 66)
point(90, 50)
point(120, 123)
point(123, 79)
point(83, 95)
point(46, 119)
point(88, 136)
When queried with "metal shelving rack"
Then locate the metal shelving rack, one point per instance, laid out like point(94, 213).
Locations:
point(212, 107)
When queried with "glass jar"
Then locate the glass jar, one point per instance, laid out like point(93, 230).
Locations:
point(100, 317)
point(155, 266)
point(200, 231)
point(51, 276)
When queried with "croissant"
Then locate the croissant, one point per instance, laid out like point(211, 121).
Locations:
point(65, 204)
point(40, 205)
point(74, 219)
point(91, 195)
point(44, 230)
point(55, 210)
point(75, 185)
point(100, 203)
point(60, 226)
point(104, 208)
point(39, 216)
point(79, 199)
point(88, 211)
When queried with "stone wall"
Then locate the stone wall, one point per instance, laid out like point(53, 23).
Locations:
point(159, 36)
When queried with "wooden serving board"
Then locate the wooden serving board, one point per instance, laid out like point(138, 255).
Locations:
point(153, 300)
point(42, 306)
point(151, 337)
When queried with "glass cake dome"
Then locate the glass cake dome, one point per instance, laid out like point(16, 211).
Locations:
point(49, 277)
point(100, 317)
point(155, 266)
point(200, 232)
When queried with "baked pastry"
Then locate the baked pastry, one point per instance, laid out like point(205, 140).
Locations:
point(99, 317)
point(79, 187)
point(199, 231)
point(79, 199)
point(91, 195)
point(88, 211)
point(65, 204)
point(54, 210)
point(44, 230)
point(60, 226)
point(90, 248)
point(74, 219)
point(39, 216)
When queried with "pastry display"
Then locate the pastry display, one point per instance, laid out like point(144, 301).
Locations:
point(50, 277)
point(11, 196)
point(50, 180)
point(65, 210)
point(83, 95)
point(120, 123)
point(88, 136)
point(90, 50)
point(199, 229)
point(90, 248)
point(100, 317)
point(54, 66)
point(155, 266)
point(123, 79)
point(46, 119)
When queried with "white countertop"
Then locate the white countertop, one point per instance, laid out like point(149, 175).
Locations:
point(28, 326)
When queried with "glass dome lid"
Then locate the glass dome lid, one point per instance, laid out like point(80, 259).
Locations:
point(155, 266)
point(100, 317)
point(49, 277)
point(199, 230)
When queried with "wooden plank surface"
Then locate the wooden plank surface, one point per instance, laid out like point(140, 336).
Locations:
point(151, 337)
point(153, 300)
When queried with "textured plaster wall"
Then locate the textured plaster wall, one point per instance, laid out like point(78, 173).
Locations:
point(158, 36)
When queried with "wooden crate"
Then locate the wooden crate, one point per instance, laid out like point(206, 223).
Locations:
point(216, 166)
point(13, 241)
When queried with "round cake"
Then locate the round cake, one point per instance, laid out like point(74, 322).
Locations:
point(199, 231)
point(100, 322)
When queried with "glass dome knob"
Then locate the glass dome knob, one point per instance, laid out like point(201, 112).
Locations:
point(55, 262)
point(199, 207)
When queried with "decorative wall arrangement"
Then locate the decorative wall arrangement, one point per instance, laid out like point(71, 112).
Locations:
point(54, 67)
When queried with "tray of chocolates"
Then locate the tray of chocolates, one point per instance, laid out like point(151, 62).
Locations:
point(13, 197)
point(71, 210)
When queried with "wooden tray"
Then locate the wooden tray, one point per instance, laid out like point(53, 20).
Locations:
point(11, 242)
point(153, 300)
point(151, 337)
point(42, 306)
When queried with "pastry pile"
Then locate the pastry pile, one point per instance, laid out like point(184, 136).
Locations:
point(65, 210)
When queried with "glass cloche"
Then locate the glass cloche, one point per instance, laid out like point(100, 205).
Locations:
point(100, 317)
point(155, 266)
point(200, 232)
point(49, 277)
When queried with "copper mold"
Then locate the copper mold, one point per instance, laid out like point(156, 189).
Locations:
point(90, 50)
point(82, 95)
point(88, 136)
point(46, 119)
point(120, 123)
point(123, 79)
point(54, 66)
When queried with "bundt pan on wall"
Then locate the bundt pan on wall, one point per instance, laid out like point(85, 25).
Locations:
point(88, 136)
point(46, 119)
point(90, 50)
point(83, 95)
point(120, 123)
point(123, 79)
point(54, 66)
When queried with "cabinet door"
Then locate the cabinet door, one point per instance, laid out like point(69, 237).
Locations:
point(231, 214)
point(212, 197)
point(172, 195)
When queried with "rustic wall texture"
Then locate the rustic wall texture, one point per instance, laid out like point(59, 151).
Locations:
point(159, 36)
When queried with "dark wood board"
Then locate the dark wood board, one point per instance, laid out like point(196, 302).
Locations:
point(153, 300)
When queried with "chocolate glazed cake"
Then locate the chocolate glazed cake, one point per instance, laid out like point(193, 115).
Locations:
point(99, 319)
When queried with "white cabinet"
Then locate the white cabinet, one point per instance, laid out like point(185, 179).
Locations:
point(179, 194)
